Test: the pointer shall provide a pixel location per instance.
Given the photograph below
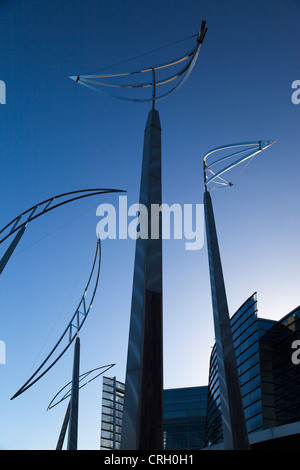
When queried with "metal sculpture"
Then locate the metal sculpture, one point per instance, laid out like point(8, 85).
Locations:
point(142, 425)
point(55, 401)
point(71, 416)
point(234, 424)
point(101, 83)
point(74, 401)
point(249, 150)
point(19, 223)
point(72, 329)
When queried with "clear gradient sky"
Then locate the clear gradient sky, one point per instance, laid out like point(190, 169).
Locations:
point(56, 136)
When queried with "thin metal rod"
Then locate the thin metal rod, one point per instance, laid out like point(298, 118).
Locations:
point(91, 192)
point(63, 431)
point(73, 416)
point(81, 377)
point(153, 88)
point(11, 248)
point(30, 381)
point(114, 412)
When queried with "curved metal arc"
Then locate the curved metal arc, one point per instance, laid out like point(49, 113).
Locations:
point(254, 150)
point(191, 65)
point(47, 202)
point(188, 69)
point(146, 100)
point(148, 69)
point(223, 181)
point(186, 76)
point(30, 381)
point(232, 165)
point(141, 85)
point(232, 155)
point(81, 377)
point(228, 146)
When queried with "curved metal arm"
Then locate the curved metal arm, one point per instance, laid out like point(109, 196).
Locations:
point(46, 206)
point(81, 377)
point(89, 80)
point(250, 149)
point(72, 329)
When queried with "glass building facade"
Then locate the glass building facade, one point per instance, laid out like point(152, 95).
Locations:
point(185, 418)
point(269, 380)
point(280, 375)
point(245, 332)
point(112, 413)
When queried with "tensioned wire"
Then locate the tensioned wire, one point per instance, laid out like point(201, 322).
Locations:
point(222, 181)
point(68, 297)
point(148, 69)
point(141, 85)
point(146, 53)
point(84, 80)
point(30, 381)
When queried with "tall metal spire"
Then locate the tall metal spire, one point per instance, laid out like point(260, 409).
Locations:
point(142, 426)
point(142, 414)
point(233, 417)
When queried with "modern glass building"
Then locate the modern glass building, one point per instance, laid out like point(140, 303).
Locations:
point(185, 418)
point(280, 376)
point(112, 413)
point(270, 386)
point(245, 328)
point(269, 380)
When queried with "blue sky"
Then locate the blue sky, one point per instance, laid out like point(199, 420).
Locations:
point(57, 136)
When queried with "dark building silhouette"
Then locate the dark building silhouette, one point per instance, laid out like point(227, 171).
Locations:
point(270, 386)
point(185, 418)
point(280, 377)
point(269, 380)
